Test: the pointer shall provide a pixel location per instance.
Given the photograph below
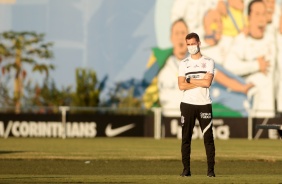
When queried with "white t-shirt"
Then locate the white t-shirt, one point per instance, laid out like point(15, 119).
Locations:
point(196, 69)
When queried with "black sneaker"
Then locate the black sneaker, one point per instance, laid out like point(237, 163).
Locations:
point(211, 174)
point(185, 173)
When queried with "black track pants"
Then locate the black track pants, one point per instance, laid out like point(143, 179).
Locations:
point(189, 114)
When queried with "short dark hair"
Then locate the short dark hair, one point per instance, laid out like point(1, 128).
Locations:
point(192, 35)
point(251, 4)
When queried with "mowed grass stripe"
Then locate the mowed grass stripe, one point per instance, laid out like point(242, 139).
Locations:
point(133, 167)
point(135, 171)
point(135, 148)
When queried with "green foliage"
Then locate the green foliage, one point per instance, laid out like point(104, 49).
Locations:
point(29, 46)
point(19, 50)
point(47, 95)
point(52, 96)
point(87, 91)
point(6, 100)
point(124, 100)
point(129, 100)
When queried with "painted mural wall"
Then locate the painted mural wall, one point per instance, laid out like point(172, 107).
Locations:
point(140, 43)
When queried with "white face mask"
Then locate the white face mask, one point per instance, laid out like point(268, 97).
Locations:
point(193, 49)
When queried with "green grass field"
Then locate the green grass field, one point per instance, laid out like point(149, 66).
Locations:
point(136, 160)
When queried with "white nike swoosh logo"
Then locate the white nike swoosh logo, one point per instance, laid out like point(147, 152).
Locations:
point(110, 132)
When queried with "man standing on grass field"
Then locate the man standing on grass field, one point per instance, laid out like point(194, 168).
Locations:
point(194, 79)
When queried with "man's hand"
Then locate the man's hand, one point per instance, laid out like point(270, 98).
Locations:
point(183, 85)
point(208, 75)
point(263, 65)
point(247, 87)
point(205, 82)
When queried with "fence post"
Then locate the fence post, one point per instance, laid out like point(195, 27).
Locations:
point(157, 122)
point(250, 125)
point(64, 110)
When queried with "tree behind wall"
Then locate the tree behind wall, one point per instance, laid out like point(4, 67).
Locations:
point(18, 49)
point(87, 89)
point(126, 97)
point(47, 97)
point(5, 98)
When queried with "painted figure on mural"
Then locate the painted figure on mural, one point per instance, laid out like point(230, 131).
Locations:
point(161, 75)
point(252, 57)
point(192, 12)
point(279, 62)
point(221, 25)
point(273, 12)
point(169, 93)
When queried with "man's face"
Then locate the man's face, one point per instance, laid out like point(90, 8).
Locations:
point(257, 20)
point(192, 41)
point(270, 6)
point(178, 34)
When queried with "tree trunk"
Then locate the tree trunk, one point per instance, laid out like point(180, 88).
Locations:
point(18, 83)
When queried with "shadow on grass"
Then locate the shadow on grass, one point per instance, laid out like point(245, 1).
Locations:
point(10, 152)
